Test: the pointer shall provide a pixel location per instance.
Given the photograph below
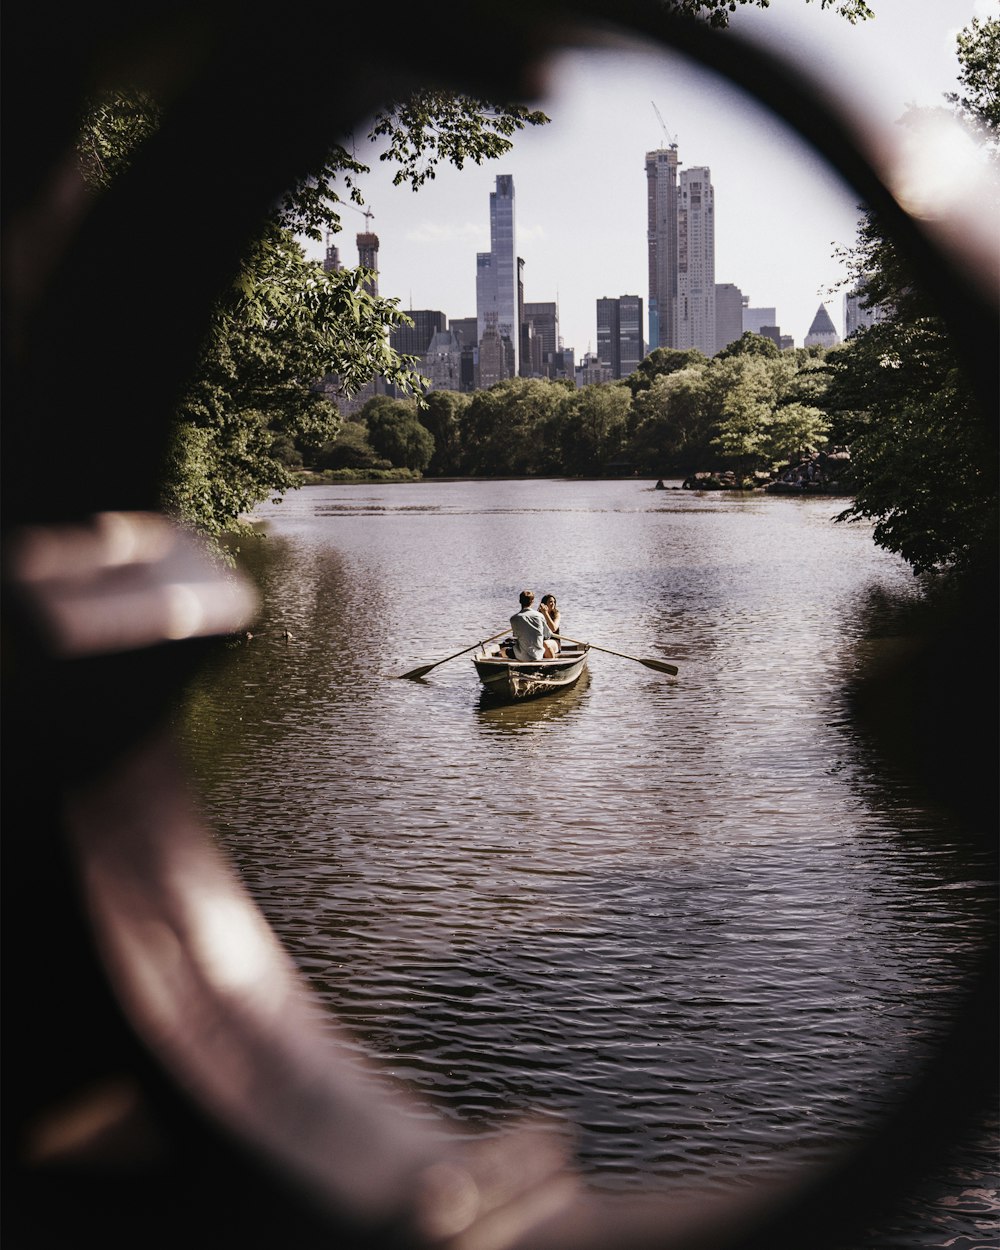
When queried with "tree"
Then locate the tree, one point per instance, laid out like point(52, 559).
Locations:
point(660, 362)
point(505, 430)
point(673, 421)
point(746, 391)
point(716, 12)
point(442, 413)
point(593, 423)
point(979, 76)
point(924, 456)
point(350, 450)
point(396, 434)
point(794, 428)
point(750, 344)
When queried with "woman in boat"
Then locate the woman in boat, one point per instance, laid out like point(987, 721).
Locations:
point(548, 609)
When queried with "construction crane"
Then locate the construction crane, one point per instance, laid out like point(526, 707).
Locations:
point(366, 212)
point(667, 135)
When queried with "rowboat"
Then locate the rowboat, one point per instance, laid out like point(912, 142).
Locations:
point(529, 679)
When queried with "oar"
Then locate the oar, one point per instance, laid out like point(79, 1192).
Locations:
point(426, 668)
point(661, 666)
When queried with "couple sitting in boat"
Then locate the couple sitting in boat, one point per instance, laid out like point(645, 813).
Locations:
point(535, 630)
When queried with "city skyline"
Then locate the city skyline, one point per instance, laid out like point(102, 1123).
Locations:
point(581, 188)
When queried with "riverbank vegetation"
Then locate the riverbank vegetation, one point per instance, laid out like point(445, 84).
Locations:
point(749, 409)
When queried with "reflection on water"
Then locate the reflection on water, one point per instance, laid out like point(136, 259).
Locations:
point(690, 915)
point(500, 715)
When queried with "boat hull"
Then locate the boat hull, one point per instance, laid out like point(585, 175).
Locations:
point(529, 679)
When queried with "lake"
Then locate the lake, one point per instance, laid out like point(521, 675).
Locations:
point(692, 917)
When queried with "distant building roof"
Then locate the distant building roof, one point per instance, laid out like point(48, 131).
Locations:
point(821, 323)
point(822, 332)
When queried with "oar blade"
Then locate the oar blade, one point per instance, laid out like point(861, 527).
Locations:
point(416, 673)
point(661, 666)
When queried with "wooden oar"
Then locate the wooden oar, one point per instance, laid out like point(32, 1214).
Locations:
point(661, 666)
point(426, 668)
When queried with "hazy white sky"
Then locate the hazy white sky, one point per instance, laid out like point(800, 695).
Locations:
point(580, 187)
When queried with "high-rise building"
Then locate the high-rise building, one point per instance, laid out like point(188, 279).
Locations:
point(331, 261)
point(540, 337)
point(607, 334)
point(822, 332)
point(592, 369)
point(442, 362)
point(773, 333)
point(368, 258)
point(413, 340)
point(857, 316)
point(728, 315)
point(619, 334)
point(661, 240)
point(560, 364)
point(497, 274)
point(493, 364)
point(755, 318)
point(695, 320)
point(467, 330)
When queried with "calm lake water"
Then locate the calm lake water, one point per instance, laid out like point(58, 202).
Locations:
point(688, 915)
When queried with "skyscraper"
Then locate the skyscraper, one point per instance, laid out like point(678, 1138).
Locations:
point(695, 324)
point(754, 319)
point(368, 258)
point(858, 316)
point(413, 340)
point(540, 332)
point(497, 274)
point(728, 314)
point(619, 334)
point(661, 238)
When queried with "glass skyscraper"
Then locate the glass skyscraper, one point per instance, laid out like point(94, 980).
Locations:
point(496, 273)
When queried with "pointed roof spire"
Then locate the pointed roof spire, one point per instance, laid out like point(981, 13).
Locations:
point(821, 323)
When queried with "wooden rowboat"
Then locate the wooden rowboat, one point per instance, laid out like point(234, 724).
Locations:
point(529, 679)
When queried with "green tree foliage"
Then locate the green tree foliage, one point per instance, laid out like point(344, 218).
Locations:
point(396, 434)
point(795, 428)
point(924, 459)
point(979, 77)
point(508, 429)
point(247, 404)
point(673, 422)
point(746, 401)
point(716, 12)
point(350, 450)
point(592, 427)
point(443, 413)
point(750, 344)
point(660, 362)
point(747, 410)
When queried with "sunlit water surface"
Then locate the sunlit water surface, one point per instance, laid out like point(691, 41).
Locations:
point(687, 915)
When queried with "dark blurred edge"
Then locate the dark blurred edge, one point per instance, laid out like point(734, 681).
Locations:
point(254, 96)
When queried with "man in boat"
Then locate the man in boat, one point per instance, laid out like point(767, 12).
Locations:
point(533, 640)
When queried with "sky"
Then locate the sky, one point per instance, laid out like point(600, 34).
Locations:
point(580, 186)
